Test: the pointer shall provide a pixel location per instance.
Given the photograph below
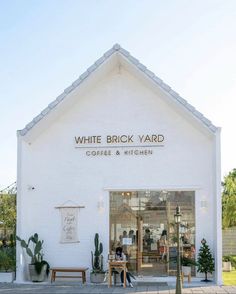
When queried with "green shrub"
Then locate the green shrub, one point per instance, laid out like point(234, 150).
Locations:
point(8, 259)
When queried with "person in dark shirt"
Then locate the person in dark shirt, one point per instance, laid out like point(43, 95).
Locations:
point(121, 256)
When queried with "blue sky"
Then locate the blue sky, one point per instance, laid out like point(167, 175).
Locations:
point(46, 44)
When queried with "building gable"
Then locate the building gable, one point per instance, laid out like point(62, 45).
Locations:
point(115, 57)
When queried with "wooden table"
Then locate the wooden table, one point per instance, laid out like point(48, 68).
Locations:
point(81, 270)
point(116, 264)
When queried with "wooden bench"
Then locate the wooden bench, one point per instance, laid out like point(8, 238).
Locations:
point(55, 270)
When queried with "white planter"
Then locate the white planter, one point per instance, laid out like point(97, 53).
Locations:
point(97, 278)
point(186, 270)
point(7, 277)
point(227, 267)
point(34, 276)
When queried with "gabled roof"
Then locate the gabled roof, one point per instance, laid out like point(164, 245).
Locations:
point(139, 66)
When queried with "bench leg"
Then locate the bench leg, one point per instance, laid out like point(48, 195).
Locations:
point(83, 277)
point(53, 276)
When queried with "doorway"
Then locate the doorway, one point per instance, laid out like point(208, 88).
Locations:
point(142, 223)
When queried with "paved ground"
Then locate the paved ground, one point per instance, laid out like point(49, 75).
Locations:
point(72, 288)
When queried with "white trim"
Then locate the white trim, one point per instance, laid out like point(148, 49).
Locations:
point(218, 211)
point(153, 188)
point(19, 259)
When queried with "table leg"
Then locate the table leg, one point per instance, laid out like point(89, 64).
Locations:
point(124, 277)
point(109, 277)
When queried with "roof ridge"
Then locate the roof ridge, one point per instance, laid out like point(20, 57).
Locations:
point(140, 66)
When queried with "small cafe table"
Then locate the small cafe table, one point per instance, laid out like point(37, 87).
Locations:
point(116, 264)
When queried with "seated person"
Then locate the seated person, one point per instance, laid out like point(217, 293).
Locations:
point(121, 256)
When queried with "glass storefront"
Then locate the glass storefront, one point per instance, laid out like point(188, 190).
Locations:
point(142, 222)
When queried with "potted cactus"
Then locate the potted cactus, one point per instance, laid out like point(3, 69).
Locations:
point(97, 274)
point(38, 268)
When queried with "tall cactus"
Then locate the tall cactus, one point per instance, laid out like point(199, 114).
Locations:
point(97, 258)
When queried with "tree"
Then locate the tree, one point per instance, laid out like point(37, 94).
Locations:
point(229, 200)
point(8, 212)
point(205, 262)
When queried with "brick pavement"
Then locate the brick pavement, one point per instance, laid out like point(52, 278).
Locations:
point(72, 288)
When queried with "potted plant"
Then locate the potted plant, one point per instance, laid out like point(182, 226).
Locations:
point(187, 264)
point(97, 274)
point(227, 263)
point(7, 264)
point(38, 268)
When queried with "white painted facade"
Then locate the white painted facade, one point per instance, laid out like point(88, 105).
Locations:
point(116, 96)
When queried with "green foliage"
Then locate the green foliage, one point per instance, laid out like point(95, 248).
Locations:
point(8, 259)
point(205, 262)
point(186, 261)
point(97, 258)
point(8, 211)
point(229, 200)
point(34, 248)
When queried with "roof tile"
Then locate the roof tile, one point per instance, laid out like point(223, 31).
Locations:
point(133, 60)
point(100, 60)
point(69, 89)
point(149, 73)
point(92, 68)
point(77, 82)
point(53, 104)
point(29, 125)
point(117, 47)
point(166, 87)
point(157, 80)
point(45, 111)
point(61, 97)
point(84, 75)
point(181, 100)
point(37, 118)
point(124, 52)
point(141, 66)
point(109, 52)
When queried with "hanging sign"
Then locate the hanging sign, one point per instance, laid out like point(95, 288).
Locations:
point(69, 223)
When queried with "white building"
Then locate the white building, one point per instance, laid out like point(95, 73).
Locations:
point(123, 144)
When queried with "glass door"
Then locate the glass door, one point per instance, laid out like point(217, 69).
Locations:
point(142, 223)
point(124, 225)
point(153, 230)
